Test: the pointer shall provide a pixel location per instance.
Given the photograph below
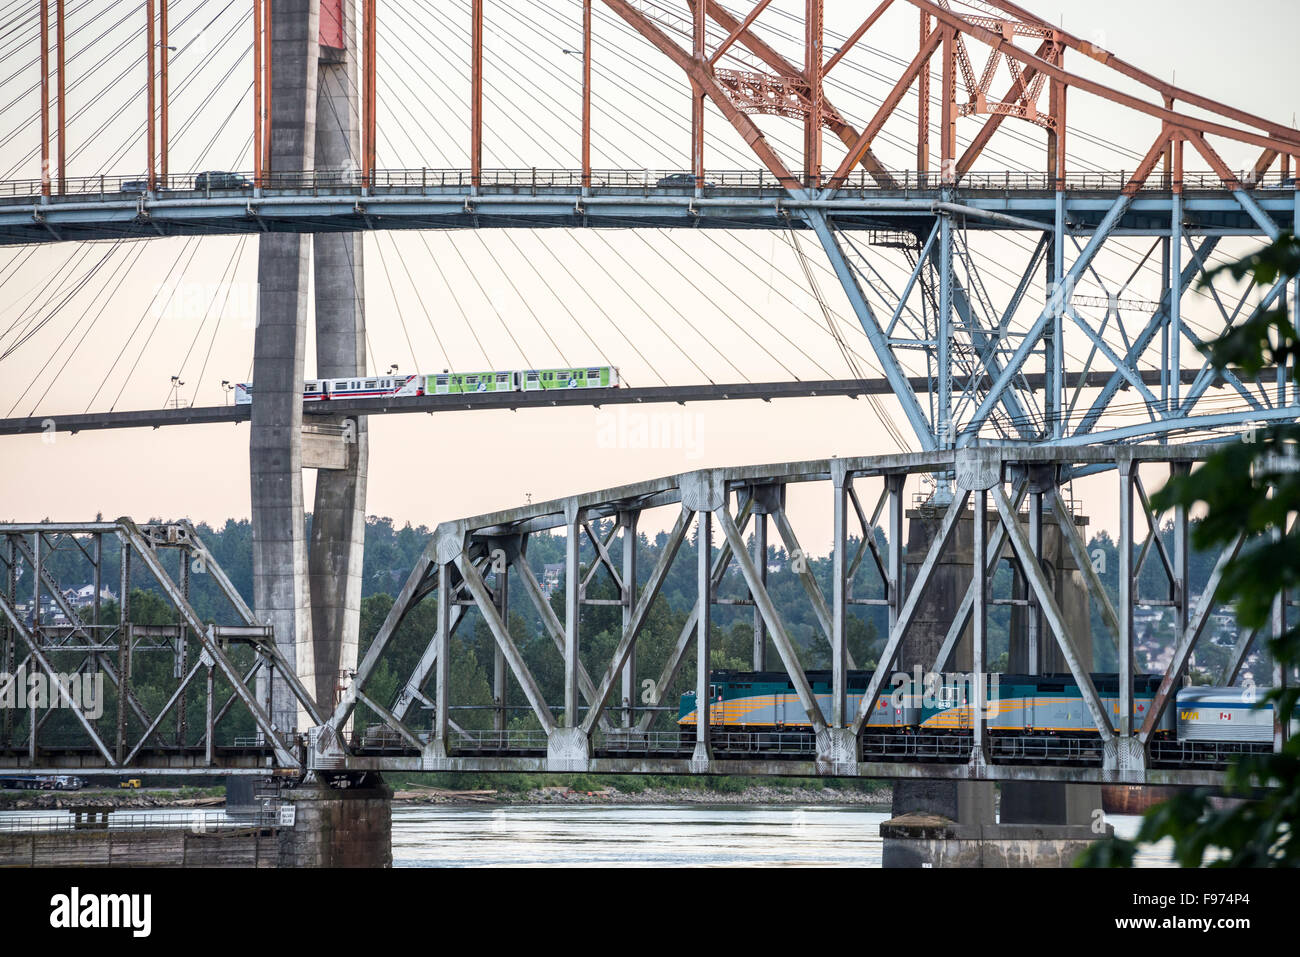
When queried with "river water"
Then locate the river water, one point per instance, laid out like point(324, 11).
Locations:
point(655, 836)
point(631, 835)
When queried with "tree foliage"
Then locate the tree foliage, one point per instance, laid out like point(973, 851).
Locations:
point(1249, 488)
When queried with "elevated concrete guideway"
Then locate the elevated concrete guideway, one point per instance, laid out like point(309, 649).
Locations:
point(766, 391)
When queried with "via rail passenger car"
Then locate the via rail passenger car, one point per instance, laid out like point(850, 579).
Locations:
point(1020, 705)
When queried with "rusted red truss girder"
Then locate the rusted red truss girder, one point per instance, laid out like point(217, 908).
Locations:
point(797, 92)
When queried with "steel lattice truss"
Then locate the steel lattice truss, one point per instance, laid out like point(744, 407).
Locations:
point(42, 632)
point(963, 336)
point(597, 730)
point(996, 63)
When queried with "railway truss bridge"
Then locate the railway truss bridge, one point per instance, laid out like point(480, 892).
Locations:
point(1004, 494)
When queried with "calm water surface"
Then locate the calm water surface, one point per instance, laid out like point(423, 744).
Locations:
point(654, 836)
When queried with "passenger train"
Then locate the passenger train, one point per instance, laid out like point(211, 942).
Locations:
point(1018, 705)
point(449, 383)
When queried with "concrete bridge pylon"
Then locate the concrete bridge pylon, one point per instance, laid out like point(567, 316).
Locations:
point(309, 591)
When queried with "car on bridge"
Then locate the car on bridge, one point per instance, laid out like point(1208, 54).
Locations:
point(135, 186)
point(681, 181)
point(217, 179)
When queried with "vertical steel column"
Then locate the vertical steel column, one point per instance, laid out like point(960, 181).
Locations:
point(97, 583)
point(1034, 617)
point(1054, 340)
point(1176, 281)
point(923, 107)
point(45, 97)
point(123, 647)
point(1169, 149)
point(62, 109)
point(839, 600)
point(181, 668)
point(1054, 336)
point(37, 560)
point(1127, 597)
point(1166, 292)
point(209, 722)
point(442, 668)
point(979, 622)
point(1281, 676)
point(697, 99)
point(499, 676)
point(628, 677)
point(1282, 371)
point(162, 89)
point(812, 68)
point(258, 118)
point(586, 94)
point(572, 615)
point(895, 586)
point(11, 594)
point(151, 145)
point(947, 131)
point(943, 334)
point(369, 92)
point(703, 626)
point(1181, 584)
point(476, 94)
point(760, 562)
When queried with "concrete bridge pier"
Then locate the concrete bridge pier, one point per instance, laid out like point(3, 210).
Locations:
point(339, 516)
point(309, 592)
point(281, 594)
point(336, 826)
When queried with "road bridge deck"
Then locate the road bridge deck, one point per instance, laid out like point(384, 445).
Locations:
point(103, 208)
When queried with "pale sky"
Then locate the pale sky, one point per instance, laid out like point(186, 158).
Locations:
point(675, 307)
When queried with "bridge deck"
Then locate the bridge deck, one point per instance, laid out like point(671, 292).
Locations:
point(102, 208)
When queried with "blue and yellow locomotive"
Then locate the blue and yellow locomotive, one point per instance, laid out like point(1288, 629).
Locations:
point(1017, 705)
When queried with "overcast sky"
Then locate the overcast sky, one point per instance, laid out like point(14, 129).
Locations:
point(109, 324)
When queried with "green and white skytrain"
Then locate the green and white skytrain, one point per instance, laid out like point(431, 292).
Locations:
point(450, 383)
